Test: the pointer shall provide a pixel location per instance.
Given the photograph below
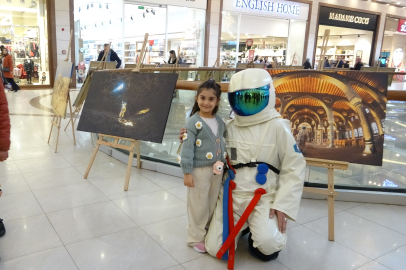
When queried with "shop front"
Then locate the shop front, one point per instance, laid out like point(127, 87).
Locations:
point(24, 32)
point(393, 54)
point(265, 32)
point(352, 36)
point(172, 25)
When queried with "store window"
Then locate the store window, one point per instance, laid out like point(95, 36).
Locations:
point(268, 38)
point(24, 34)
point(367, 110)
point(355, 133)
point(351, 37)
point(350, 133)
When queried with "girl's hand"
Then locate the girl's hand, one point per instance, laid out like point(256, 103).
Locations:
point(188, 180)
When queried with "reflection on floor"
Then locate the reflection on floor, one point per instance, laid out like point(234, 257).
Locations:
point(55, 219)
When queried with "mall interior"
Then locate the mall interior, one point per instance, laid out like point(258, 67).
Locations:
point(54, 218)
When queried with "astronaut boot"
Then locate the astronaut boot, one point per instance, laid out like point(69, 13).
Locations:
point(258, 254)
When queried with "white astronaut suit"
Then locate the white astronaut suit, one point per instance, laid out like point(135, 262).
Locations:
point(261, 137)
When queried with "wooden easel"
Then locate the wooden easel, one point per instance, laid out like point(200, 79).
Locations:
point(58, 117)
point(102, 65)
point(330, 193)
point(323, 49)
point(116, 144)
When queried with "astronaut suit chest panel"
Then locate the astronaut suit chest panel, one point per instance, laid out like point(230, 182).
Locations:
point(242, 144)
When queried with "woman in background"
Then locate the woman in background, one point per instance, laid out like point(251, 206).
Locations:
point(172, 57)
point(8, 70)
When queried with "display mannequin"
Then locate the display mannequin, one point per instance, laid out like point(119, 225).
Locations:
point(258, 135)
point(29, 68)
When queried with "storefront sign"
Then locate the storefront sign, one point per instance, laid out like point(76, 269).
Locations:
point(182, 3)
point(346, 18)
point(269, 6)
point(5, 30)
point(249, 42)
point(277, 8)
point(232, 42)
point(402, 26)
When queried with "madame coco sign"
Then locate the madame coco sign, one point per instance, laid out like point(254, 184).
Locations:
point(278, 9)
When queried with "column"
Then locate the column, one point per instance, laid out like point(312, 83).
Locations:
point(331, 124)
point(214, 8)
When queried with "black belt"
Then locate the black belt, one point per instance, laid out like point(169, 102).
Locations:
point(254, 165)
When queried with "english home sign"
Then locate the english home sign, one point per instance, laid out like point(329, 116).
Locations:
point(347, 18)
point(269, 6)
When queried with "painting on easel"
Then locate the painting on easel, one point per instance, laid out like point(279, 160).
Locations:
point(61, 88)
point(128, 104)
point(334, 115)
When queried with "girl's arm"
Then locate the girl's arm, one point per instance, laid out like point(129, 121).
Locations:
point(188, 148)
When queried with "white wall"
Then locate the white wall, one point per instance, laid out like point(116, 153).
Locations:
point(387, 43)
point(264, 26)
point(62, 21)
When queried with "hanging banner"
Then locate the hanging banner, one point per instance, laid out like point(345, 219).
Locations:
point(402, 26)
point(249, 42)
point(182, 3)
point(251, 55)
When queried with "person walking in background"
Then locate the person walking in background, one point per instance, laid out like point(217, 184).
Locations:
point(307, 64)
point(358, 64)
point(256, 60)
point(111, 57)
point(172, 57)
point(347, 64)
point(8, 70)
point(341, 63)
point(326, 63)
point(4, 137)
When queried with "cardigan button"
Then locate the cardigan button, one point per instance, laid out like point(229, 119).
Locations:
point(218, 140)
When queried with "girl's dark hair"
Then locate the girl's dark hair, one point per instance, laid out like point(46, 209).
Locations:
point(172, 52)
point(256, 58)
point(210, 84)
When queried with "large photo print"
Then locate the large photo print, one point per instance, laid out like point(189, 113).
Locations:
point(334, 115)
point(128, 104)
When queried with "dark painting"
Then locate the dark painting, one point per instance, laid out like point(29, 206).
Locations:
point(334, 115)
point(128, 104)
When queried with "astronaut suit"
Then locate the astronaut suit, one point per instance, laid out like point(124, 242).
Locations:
point(259, 135)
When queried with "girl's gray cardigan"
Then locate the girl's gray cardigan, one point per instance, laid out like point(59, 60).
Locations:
point(201, 148)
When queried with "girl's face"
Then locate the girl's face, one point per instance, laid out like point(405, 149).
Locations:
point(207, 100)
point(5, 51)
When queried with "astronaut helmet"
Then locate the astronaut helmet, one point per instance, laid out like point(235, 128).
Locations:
point(251, 95)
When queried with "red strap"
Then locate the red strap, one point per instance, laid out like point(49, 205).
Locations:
point(258, 193)
point(231, 253)
point(229, 165)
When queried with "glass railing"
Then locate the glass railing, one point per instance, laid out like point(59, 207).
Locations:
point(390, 177)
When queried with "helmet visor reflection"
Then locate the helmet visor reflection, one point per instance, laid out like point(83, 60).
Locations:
point(250, 101)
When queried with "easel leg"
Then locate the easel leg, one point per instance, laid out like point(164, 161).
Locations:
point(138, 155)
point(71, 120)
point(53, 119)
point(331, 204)
point(59, 120)
point(93, 156)
point(129, 165)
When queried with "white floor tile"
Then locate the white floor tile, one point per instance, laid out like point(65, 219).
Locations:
point(345, 205)
point(8, 168)
point(54, 178)
point(105, 170)
point(11, 184)
point(70, 196)
point(152, 207)
point(307, 250)
point(114, 188)
point(373, 266)
point(79, 147)
point(311, 210)
point(395, 260)
point(20, 205)
point(31, 153)
point(131, 249)
point(243, 260)
point(42, 164)
point(57, 258)
point(178, 267)
point(180, 192)
point(391, 216)
point(33, 142)
point(26, 236)
point(83, 158)
point(171, 236)
point(163, 180)
point(361, 235)
point(86, 222)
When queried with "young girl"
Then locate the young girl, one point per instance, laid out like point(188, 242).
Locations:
point(203, 146)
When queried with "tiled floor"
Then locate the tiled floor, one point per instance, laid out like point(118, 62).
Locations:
point(55, 219)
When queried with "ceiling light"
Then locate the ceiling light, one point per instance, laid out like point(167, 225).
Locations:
point(246, 34)
point(263, 36)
